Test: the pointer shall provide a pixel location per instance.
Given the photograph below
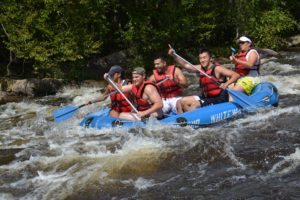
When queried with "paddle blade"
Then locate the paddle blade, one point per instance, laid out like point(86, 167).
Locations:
point(64, 113)
point(233, 50)
point(243, 100)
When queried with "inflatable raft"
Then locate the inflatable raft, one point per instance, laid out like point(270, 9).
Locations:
point(263, 95)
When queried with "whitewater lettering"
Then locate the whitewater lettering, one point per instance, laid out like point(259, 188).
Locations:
point(224, 115)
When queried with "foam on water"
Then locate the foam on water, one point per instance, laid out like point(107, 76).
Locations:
point(288, 164)
point(284, 84)
point(277, 68)
point(20, 108)
point(261, 116)
point(142, 183)
point(76, 92)
point(6, 196)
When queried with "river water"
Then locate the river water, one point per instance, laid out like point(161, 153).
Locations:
point(256, 156)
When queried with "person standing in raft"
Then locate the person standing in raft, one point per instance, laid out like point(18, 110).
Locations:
point(118, 103)
point(247, 64)
point(213, 93)
point(145, 96)
point(171, 82)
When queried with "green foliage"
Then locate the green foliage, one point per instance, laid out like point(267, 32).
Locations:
point(265, 21)
point(153, 25)
point(271, 27)
point(58, 37)
point(51, 33)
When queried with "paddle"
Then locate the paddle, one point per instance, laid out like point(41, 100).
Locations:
point(160, 82)
point(240, 98)
point(107, 77)
point(65, 112)
point(233, 50)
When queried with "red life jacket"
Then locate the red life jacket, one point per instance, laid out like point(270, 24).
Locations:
point(242, 70)
point(141, 103)
point(118, 103)
point(210, 88)
point(168, 88)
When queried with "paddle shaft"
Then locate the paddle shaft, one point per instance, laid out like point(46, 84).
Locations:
point(66, 113)
point(118, 89)
point(199, 70)
point(76, 108)
point(160, 82)
point(114, 92)
point(239, 97)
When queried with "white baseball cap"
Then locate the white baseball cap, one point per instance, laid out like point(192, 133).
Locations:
point(244, 39)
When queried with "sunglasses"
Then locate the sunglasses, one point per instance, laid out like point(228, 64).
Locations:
point(242, 42)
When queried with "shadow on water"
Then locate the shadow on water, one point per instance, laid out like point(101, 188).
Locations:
point(8, 155)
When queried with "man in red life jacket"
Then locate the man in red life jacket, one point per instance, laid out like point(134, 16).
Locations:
point(171, 82)
point(118, 103)
point(146, 97)
point(247, 64)
point(213, 93)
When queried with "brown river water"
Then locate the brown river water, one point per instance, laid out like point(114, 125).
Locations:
point(256, 156)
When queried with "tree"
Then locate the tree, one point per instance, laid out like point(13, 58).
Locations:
point(51, 33)
point(57, 37)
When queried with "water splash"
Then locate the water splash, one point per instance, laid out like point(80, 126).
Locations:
point(288, 164)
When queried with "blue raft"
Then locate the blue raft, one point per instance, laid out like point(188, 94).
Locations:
point(263, 95)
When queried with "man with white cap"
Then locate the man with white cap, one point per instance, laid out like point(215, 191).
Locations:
point(145, 95)
point(118, 103)
point(247, 64)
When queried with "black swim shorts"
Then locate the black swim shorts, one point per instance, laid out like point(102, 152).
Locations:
point(223, 97)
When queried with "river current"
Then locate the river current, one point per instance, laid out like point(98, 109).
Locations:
point(256, 156)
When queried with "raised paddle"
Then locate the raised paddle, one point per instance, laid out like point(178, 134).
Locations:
point(240, 98)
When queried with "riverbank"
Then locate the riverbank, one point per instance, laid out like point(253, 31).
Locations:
point(13, 90)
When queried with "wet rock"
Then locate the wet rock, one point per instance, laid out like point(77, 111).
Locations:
point(93, 83)
point(294, 41)
point(18, 86)
point(6, 97)
point(33, 87)
point(117, 58)
point(99, 66)
point(267, 53)
point(8, 155)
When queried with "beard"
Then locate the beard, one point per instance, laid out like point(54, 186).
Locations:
point(204, 65)
point(160, 70)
